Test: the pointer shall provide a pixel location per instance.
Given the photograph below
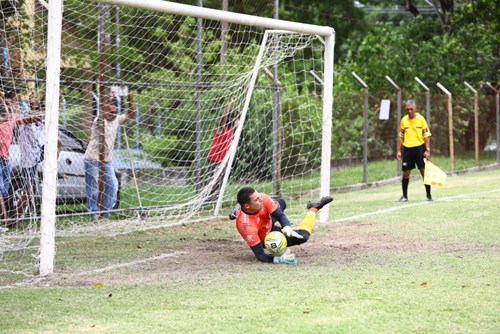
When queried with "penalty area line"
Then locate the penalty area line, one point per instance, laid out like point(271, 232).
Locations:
point(401, 207)
point(36, 280)
point(124, 265)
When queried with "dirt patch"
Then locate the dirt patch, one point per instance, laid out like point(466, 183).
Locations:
point(203, 257)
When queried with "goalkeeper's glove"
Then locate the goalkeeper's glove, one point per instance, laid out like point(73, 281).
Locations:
point(289, 232)
point(286, 259)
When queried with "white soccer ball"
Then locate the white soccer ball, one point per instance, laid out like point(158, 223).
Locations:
point(275, 243)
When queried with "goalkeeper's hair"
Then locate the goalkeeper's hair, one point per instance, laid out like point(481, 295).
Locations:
point(244, 194)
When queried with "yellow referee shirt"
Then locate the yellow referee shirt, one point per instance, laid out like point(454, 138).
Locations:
point(412, 131)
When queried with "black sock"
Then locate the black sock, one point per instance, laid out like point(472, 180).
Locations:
point(428, 190)
point(405, 187)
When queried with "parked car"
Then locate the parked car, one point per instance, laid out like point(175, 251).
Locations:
point(70, 173)
point(492, 146)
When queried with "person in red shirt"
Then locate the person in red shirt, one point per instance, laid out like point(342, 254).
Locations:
point(257, 214)
point(223, 136)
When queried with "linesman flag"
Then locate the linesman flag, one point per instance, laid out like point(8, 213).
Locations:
point(434, 176)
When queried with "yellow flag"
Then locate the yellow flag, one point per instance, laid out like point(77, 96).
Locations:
point(434, 176)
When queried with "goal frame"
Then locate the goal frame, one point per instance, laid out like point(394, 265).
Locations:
point(47, 240)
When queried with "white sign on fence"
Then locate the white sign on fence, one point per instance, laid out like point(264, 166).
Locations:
point(120, 90)
point(385, 108)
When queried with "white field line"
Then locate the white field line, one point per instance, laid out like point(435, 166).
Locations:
point(401, 207)
point(39, 279)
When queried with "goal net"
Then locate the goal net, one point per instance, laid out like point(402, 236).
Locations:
point(204, 108)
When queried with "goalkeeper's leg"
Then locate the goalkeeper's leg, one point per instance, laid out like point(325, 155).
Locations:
point(307, 224)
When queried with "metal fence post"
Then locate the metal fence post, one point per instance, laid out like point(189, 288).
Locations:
point(427, 101)
point(365, 127)
point(497, 105)
point(450, 127)
point(476, 122)
point(398, 162)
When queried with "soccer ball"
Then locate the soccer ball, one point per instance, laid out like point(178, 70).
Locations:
point(275, 243)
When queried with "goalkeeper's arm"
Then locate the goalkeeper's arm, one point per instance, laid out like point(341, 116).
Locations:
point(262, 256)
point(280, 216)
point(286, 227)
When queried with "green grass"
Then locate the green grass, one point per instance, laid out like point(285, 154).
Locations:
point(376, 267)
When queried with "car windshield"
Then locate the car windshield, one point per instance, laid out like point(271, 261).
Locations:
point(70, 142)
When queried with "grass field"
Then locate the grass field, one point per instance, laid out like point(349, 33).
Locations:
point(376, 266)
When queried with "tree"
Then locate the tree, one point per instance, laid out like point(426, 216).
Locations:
point(347, 20)
point(7, 9)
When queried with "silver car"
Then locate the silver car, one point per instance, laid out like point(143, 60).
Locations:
point(70, 174)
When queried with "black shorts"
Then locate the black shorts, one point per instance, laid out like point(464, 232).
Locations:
point(413, 156)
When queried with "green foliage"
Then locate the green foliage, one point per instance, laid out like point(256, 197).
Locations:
point(343, 16)
point(254, 155)
point(467, 52)
point(164, 49)
point(163, 149)
point(420, 48)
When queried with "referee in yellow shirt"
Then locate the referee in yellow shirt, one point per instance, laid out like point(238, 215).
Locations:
point(413, 146)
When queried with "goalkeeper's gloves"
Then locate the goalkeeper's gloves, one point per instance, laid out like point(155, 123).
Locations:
point(289, 232)
point(286, 259)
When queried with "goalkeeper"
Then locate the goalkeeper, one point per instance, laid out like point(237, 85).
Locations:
point(255, 218)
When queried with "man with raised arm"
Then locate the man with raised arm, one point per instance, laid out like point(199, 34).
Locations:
point(111, 123)
point(221, 142)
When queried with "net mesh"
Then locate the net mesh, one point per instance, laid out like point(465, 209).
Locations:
point(190, 80)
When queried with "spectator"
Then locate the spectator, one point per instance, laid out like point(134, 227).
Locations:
point(222, 138)
point(9, 110)
point(110, 127)
point(31, 149)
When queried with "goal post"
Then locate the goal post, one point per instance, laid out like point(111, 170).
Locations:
point(200, 81)
point(47, 229)
point(326, 124)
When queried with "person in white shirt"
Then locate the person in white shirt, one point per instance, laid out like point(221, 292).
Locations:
point(111, 123)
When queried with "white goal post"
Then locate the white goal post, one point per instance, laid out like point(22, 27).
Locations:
point(47, 244)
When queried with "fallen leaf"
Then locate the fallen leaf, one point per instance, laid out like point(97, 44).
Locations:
point(98, 285)
point(424, 284)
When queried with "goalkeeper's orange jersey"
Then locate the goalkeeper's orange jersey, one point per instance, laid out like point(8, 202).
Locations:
point(254, 228)
point(413, 130)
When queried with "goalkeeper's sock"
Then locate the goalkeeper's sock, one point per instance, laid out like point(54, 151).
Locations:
point(309, 220)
